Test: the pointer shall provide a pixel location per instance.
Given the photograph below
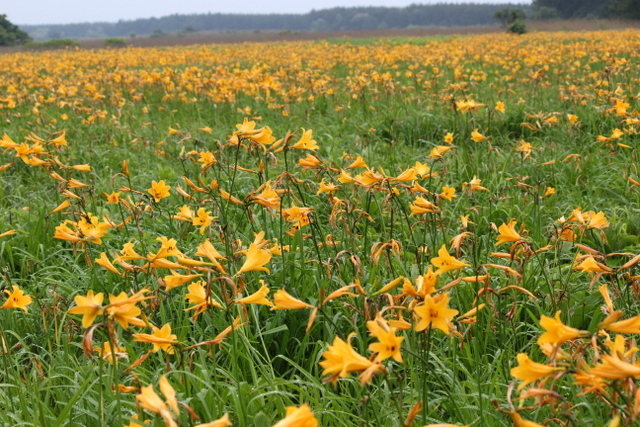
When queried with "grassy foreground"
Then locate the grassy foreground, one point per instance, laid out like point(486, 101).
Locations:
point(394, 233)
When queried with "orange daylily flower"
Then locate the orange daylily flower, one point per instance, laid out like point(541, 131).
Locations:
point(256, 259)
point(16, 299)
point(556, 331)
point(258, 297)
point(435, 313)
point(284, 301)
point(159, 190)
point(445, 262)
point(161, 338)
point(508, 233)
point(90, 307)
point(298, 417)
point(529, 371)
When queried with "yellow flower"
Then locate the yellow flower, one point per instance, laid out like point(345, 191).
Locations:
point(549, 191)
point(596, 220)
point(518, 421)
point(425, 285)
point(298, 417)
point(103, 261)
point(590, 265)
point(60, 140)
point(529, 371)
point(500, 106)
point(474, 185)
point(448, 138)
point(508, 233)
point(327, 188)
point(341, 359)
point(422, 206)
point(434, 313)
point(445, 262)
point(305, 142)
point(206, 249)
point(389, 343)
point(62, 206)
point(159, 190)
point(113, 198)
point(310, 162)
point(162, 339)
point(477, 136)
point(123, 309)
point(283, 301)
point(176, 279)
point(220, 422)
point(556, 331)
point(627, 326)
point(149, 400)
point(448, 193)
point(89, 306)
point(110, 355)
point(258, 297)
point(16, 299)
point(357, 163)
point(615, 369)
point(297, 215)
point(268, 197)
point(256, 259)
point(198, 295)
point(202, 219)
point(438, 152)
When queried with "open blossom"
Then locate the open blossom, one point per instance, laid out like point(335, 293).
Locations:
point(305, 142)
point(16, 299)
point(445, 262)
point(161, 338)
point(123, 309)
point(258, 297)
point(159, 190)
point(149, 400)
point(90, 307)
point(529, 371)
point(298, 417)
point(198, 297)
point(556, 331)
point(284, 301)
point(590, 265)
point(256, 259)
point(477, 136)
point(435, 313)
point(341, 359)
point(508, 233)
point(388, 344)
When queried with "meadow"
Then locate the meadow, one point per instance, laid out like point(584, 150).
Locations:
point(394, 232)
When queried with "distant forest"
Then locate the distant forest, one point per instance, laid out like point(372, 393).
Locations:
point(341, 19)
point(335, 19)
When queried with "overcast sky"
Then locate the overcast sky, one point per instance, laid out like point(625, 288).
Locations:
point(72, 11)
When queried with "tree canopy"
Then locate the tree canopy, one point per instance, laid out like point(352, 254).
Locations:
point(568, 9)
point(10, 34)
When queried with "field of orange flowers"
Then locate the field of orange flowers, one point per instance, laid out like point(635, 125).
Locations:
point(399, 232)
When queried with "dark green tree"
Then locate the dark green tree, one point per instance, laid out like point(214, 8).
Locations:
point(10, 34)
point(625, 9)
point(568, 9)
point(508, 16)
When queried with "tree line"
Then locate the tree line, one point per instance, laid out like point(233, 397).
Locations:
point(334, 19)
point(570, 9)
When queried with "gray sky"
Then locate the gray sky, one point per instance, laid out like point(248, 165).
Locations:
point(71, 11)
